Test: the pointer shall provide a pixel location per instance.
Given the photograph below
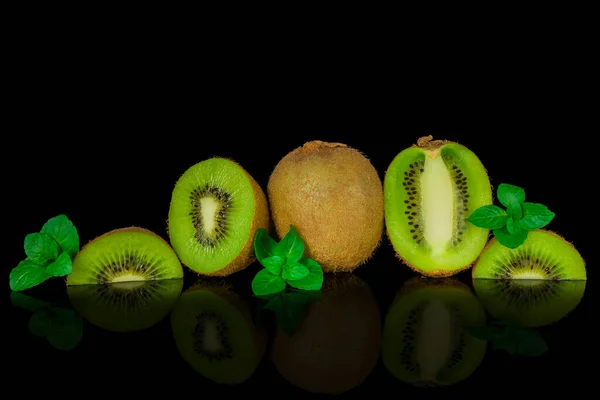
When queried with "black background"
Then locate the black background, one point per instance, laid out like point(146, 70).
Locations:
point(105, 144)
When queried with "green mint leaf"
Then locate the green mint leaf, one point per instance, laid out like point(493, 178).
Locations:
point(512, 227)
point(273, 264)
point(314, 280)
point(515, 211)
point(535, 216)
point(264, 245)
point(28, 303)
point(265, 283)
point(61, 229)
point(292, 271)
point(509, 194)
point(40, 247)
point(291, 245)
point(530, 343)
point(62, 266)
point(508, 240)
point(489, 217)
point(27, 274)
point(487, 333)
point(62, 327)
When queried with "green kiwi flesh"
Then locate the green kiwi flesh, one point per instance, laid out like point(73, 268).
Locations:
point(125, 306)
point(529, 302)
point(215, 335)
point(424, 340)
point(543, 255)
point(429, 192)
point(125, 255)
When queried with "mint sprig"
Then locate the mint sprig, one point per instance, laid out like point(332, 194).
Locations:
point(510, 225)
point(284, 264)
point(50, 253)
point(511, 337)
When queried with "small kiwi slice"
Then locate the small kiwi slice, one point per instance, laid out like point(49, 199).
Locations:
point(529, 302)
point(122, 255)
point(338, 342)
point(430, 190)
point(125, 306)
point(216, 209)
point(424, 340)
point(543, 255)
point(333, 196)
point(215, 334)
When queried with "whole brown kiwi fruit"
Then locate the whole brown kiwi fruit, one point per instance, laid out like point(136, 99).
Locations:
point(333, 196)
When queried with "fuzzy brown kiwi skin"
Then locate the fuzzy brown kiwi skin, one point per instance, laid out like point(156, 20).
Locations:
point(494, 240)
point(427, 143)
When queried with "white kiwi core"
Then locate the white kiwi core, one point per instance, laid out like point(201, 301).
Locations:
point(210, 207)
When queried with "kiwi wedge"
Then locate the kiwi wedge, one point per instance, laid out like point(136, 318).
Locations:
point(338, 342)
point(424, 338)
point(529, 302)
point(124, 255)
point(125, 306)
point(543, 255)
point(215, 334)
point(216, 209)
point(430, 190)
point(333, 196)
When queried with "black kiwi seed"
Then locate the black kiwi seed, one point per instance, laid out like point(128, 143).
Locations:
point(129, 263)
point(462, 204)
point(220, 231)
point(202, 320)
point(135, 298)
point(410, 185)
point(528, 260)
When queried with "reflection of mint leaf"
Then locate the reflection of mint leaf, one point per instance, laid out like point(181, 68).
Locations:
point(509, 194)
point(293, 271)
point(530, 343)
point(27, 274)
point(62, 266)
point(511, 241)
point(273, 264)
point(489, 217)
point(314, 280)
point(291, 245)
point(265, 282)
point(290, 308)
point(40, 248)
point(485, 332)
point(28, 303)
point(535, 216)
point(264, 245)
point(62, 327)
point(511, 337)
point(61, 229)
point(515, 211)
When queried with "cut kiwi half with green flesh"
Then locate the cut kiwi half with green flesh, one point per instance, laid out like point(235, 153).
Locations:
point(529, 302)
point(429, 192)
point(125, 306)
point(216, 209)
point(215, 334)
point(125, 255)
point(543, 255)
point(425, 342)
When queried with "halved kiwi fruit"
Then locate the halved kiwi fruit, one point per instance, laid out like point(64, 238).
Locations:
point(543, 255)
point(424, 340)
point(430, 190)
point(529, 302)
point(215, 334)
point(216, 209)
point(123, 255)
point(333, 196)
point(125, 306)
point(338, 342)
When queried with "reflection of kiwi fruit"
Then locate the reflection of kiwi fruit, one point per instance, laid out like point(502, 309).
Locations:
point(122, 255)
point(215, 334)
point(430, 190)
point(125, 306)
point(424, 340)
point(216, 209)
point(333, 196)
point(338, 342)
point(530, 302)
point(543, 255)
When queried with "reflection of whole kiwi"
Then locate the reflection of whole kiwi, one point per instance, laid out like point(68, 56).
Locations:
point(338, 342)
point(125, 306)
point(530, 302)
point(215, 334)
point(424, 340)
point(216, 208)
point(333, 196)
